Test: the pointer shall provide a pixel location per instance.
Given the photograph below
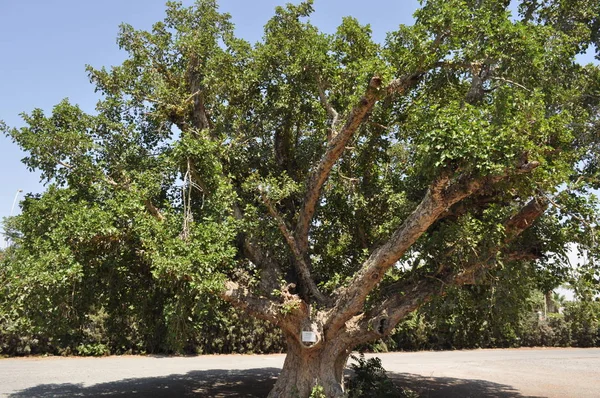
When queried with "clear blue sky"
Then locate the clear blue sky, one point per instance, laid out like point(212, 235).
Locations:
point(46, 44)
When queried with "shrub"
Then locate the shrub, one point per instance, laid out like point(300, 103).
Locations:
point(370, 379)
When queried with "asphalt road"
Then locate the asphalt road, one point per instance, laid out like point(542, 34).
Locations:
point(479, 373)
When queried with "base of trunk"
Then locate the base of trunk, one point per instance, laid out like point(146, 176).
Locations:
point(305, 369)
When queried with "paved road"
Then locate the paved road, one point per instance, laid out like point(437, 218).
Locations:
point(480, 373)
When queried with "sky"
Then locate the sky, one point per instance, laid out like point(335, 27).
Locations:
point(45, 46)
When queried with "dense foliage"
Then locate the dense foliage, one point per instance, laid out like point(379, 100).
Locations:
point(324, 183)
point(466, 324)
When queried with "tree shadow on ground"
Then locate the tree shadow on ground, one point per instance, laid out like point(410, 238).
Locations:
point(448, 387)
point(254, 383)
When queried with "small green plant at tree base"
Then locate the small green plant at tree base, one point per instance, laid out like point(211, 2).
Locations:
point(370, 379)
point(318, 392)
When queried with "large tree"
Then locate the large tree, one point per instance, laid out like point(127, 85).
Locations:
point(325, 183)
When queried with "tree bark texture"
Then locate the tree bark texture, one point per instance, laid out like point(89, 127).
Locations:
point(307, 367)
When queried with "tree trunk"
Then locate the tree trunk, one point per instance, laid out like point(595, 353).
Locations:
point(307, 367)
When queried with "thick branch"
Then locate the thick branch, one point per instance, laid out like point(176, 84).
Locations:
point(288, 315)
point(381, 321)
point(408, 295)
point(404, 83)
point(270, 273)
point(442, 194)
point(334, 150)
point(512, 229)
point(261, 307)
point(199, 116)
point(154, 210)
point(351, 299)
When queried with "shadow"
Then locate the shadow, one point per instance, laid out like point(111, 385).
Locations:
point(253, 383)
point(448, 387)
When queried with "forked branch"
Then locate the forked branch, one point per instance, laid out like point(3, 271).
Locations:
point(408, 295)
point(442, 194)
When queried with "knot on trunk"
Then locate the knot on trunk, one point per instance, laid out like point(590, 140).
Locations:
point(380, 325)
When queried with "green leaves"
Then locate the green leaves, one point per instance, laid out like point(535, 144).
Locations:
point(58, 143)
point(201, 149)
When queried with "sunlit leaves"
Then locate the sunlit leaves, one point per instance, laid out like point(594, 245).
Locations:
point(201, 140)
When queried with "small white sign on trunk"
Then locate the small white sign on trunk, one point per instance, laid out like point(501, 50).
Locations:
point(309, 337)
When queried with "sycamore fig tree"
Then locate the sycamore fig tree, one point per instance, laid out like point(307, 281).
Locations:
point(325, 182)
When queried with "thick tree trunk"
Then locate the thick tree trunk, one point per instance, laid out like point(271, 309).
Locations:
point(308, 367)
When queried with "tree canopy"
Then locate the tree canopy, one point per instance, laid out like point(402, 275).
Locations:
point(323, 182)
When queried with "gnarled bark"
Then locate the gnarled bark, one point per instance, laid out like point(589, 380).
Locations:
point(307, 367)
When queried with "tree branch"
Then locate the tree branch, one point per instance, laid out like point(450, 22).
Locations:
point(300, 264)
point(154, 210)
point(199, 115)
point(510, 82)
point(337, 145)
point(262, 307)
point(513, 227)
point(288, 314)
point(334, 150)
point(442, 194)
point(333, 114)
point(408, 295)
point(270, 276)
point(404, 83)
point(381, 321)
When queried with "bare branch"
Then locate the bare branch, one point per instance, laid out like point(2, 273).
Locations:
point(378, 125)
point(510, 82)
point(333, 114)
point(154, 210)
point(65, 165)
